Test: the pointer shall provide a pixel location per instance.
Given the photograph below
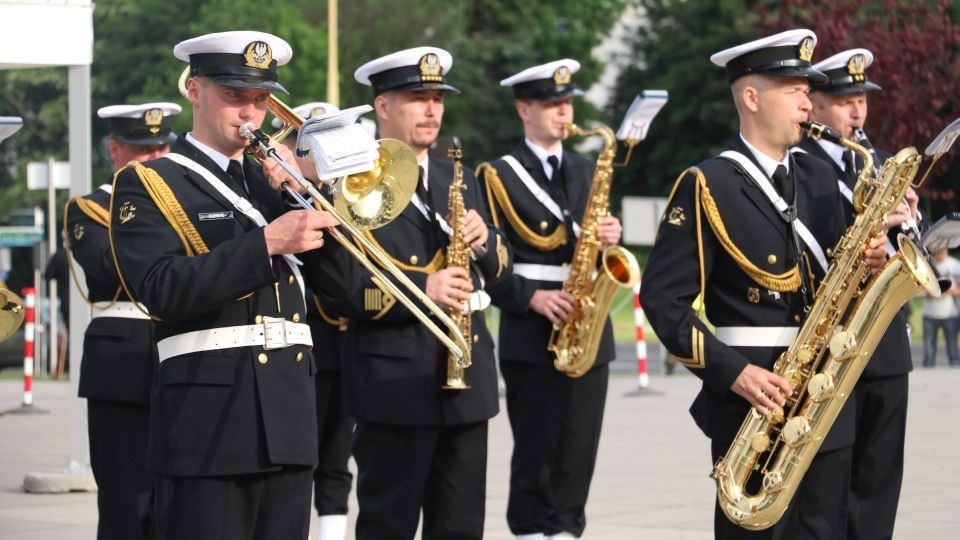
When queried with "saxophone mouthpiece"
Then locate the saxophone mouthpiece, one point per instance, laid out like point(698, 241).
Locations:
point(821, 131)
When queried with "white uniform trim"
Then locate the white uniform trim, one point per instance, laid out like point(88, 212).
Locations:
point(764, 184)
point(538, 192)
point(542, 272)
point(757, 336)
point(238, 202)
point(121, 310)
point(272, 334)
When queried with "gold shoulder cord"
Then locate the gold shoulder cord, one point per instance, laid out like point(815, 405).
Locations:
point(339, 322)
point(433, 266)
point(496, 190)
point(100, 215)
point(787, 281)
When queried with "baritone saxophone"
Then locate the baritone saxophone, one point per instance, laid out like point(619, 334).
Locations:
point(575, 342)
point(851, 311)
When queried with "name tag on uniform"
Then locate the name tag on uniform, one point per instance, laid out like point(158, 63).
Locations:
point(215, 216)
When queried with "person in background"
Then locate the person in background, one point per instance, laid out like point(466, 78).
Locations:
point(942, 313)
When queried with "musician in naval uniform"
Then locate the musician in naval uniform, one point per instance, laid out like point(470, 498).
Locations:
point(332, 478)
point(726, 236)
point(880, 397)
point(119, 355)
point(417, 445)
point(537, 195)
point(206, 245)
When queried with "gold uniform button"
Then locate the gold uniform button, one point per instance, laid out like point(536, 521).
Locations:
point(296, 317)
point(262, 358)
point(258, 319)
point(543, 225)
point(796, 318)
point(414, 259)
point(299, 356)
point(772, 259)
point(291, 279)
point(476, 338)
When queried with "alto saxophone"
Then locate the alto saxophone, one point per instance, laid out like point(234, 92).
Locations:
point(850, 312)
point(575, 342)
point(458, 254)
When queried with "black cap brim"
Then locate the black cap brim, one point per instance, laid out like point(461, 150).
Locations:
point(168, 139)
point(812, 75)
point(443, 87)
point(847, 89)
point(244, 82)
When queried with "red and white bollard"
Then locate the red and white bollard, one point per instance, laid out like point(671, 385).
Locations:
point(29, 333)
point(643, 378)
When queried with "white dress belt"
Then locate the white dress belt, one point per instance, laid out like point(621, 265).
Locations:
point(273, 333)
point(542, 272)
point(120, 310)
point(757, 336)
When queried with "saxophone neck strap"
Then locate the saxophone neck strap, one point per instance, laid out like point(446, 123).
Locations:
point(788, 213)
point(238, 202)
point(538, 192)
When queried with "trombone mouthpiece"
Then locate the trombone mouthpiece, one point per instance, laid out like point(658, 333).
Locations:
point(247, 131)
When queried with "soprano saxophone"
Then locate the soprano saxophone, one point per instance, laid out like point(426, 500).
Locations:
point(458, 254)
point(575, 342)
point(850, 312)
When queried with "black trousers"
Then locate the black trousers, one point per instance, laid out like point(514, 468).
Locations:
point(403, 469)
point(332, 479)
point(818, 510)
point(556, 424)
point(118, 457)
point(877, 457)
point(261, 506)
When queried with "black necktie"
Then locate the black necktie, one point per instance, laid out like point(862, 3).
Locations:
point(235, 172)
point(558, 190)
point(781, 181)
point(422, 194)
point(849, 168)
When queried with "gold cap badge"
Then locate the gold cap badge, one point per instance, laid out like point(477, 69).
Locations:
point(856, 67)
point(805, 50)
point(430, 68)
point(153, 118)
point(258, 55)
point(562, 76)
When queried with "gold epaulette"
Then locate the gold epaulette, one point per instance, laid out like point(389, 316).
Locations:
point(787, 281)
point(497, 192)
point(93, 210)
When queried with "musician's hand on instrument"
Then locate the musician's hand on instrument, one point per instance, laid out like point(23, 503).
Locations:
point(475, 231)
point(763, 389)
point(556, 304)
point(875, 253)
point(450, 287)
point(297, 231)
point(609, 230)
point(275, 174)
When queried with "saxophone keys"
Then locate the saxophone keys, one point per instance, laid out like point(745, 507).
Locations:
point(760, 443)
point(842, 344)
point(795, 430)
point(820, 386)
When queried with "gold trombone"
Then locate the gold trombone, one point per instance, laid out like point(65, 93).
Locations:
point(394, 189)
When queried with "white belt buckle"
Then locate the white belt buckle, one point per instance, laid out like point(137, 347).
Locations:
point(274, 333)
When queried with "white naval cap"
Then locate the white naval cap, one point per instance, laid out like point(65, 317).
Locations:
point(308, 111)
point(239, 59)
point(786, 54)
point(846, 72)
point(141, 125)
point(9, 125)
point(419, 68)
point(546, 82)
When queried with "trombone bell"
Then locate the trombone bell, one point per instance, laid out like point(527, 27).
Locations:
point(374, 198)
point(11, 313)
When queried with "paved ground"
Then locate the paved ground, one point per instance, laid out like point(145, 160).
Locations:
point(651, 480)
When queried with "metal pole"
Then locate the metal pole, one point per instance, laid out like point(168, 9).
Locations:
point(80, 159)
point(333, 61)
point(53, 333)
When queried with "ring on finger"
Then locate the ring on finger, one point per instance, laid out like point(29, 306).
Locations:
point(759, 395)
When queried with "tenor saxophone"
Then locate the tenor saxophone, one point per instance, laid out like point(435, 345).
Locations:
point(458, 254)
point(851, 310)
point(575, 342)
